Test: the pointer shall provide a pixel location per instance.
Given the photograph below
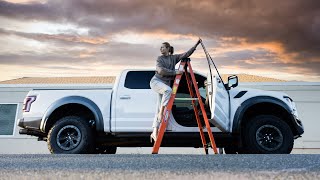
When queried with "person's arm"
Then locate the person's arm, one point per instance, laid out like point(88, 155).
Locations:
point(178, 57)
point(162, 70)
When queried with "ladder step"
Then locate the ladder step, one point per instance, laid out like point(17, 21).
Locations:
point(186, 99)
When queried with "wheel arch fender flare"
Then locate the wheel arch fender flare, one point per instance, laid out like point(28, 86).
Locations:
point(74, 100)
point(238, 117)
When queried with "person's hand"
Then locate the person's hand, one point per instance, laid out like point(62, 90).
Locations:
point(178, 72)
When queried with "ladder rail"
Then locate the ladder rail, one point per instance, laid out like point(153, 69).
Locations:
point(206, 121)
point(166, 115)
point(203, 139)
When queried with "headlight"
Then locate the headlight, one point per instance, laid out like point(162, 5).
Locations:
point(292, 105)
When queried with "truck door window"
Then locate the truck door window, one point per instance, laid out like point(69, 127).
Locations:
point(138, 79)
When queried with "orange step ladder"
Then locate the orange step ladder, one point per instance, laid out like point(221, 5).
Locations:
point(192, 83)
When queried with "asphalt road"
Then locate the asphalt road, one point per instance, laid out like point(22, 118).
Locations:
point(134, 166)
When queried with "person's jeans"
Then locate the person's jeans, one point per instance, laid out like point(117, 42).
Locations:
point(164, 92)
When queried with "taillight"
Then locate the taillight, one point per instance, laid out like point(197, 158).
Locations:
point(27, 103)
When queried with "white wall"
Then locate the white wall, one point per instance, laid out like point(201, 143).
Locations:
point(17, 143)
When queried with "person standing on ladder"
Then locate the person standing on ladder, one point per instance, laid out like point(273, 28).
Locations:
point(160, 82)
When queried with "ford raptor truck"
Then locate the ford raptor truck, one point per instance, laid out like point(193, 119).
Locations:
point(100, 119)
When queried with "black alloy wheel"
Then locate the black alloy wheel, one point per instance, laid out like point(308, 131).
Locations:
point(68, 137)
point(269, 137)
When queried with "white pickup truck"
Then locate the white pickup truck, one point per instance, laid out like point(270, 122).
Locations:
point(100, 120)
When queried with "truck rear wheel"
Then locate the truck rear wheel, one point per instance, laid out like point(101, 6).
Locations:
point(268, 134)
point(70, 135)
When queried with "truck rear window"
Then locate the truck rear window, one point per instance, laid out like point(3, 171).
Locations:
point(138, 79)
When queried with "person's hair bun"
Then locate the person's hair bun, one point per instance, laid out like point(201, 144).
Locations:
point(171, 50)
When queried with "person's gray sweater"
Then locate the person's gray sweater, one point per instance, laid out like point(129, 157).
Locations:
point(165, 67)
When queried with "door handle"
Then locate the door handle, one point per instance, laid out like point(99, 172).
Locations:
point(125, 97)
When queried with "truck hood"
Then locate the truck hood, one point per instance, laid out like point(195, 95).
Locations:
point(250, 93)
point(239, 95)
point(261, 92)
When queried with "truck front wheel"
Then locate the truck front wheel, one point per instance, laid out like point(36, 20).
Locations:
point(268, 134)
point(70, 135)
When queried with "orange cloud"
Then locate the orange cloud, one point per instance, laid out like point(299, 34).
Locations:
point(289, 75)
point(231, 44)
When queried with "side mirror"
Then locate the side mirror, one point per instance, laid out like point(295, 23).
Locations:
point(232, 81)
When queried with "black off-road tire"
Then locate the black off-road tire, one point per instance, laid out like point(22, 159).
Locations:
point(268, 134)
point(73, 129)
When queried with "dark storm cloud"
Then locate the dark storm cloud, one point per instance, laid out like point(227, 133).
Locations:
point(106, 54)
point(30, 11)
point(62, 38)
point(293, 23)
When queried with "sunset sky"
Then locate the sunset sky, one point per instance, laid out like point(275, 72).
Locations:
point(272, 38)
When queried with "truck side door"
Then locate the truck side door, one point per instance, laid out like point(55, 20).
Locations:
point(135, 102)
point(218, 100)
